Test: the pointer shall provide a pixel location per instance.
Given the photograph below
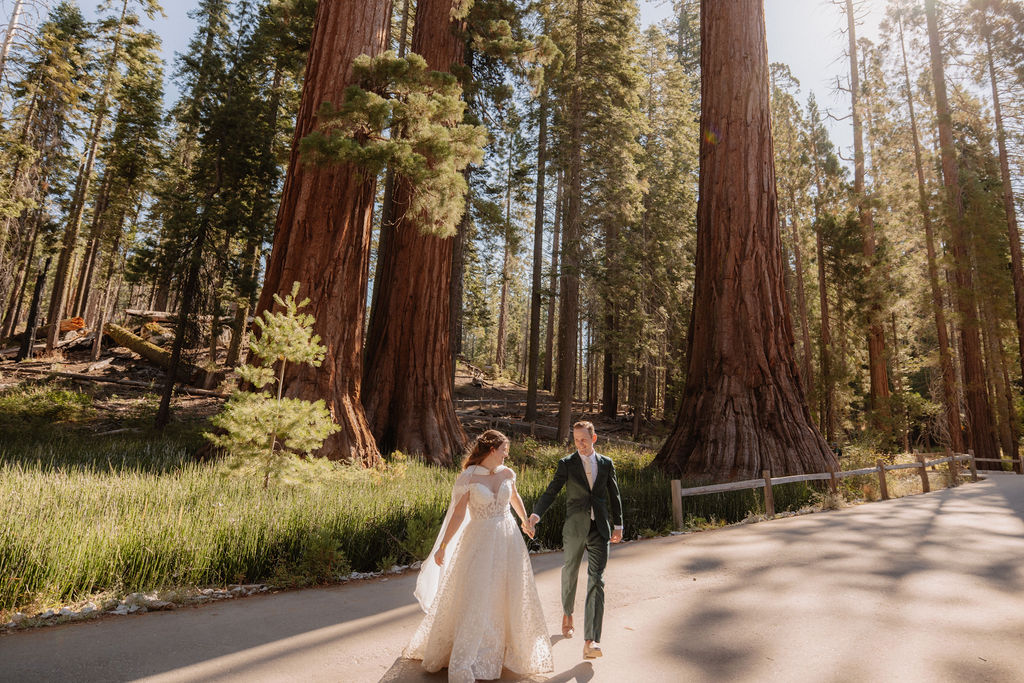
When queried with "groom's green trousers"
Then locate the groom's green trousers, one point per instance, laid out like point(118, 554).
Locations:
point(596, 547)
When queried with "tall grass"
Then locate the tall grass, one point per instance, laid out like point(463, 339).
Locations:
point(84, 517)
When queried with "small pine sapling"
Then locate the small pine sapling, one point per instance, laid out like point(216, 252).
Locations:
point(264, 430)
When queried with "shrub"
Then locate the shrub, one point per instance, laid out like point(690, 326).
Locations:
point(262, 430)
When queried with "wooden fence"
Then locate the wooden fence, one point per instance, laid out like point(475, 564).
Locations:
point(767, 481)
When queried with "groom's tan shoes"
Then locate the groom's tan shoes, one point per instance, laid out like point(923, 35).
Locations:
point(567, 630)
point(591, 650)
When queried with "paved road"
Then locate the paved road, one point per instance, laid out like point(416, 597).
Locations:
point(925, 588)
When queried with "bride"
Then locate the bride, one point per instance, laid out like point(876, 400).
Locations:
point(477, 588)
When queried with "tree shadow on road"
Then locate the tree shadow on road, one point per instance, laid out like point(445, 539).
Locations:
point(837, 591)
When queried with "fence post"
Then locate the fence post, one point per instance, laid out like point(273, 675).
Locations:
point(925, 485)
point(974, 465)
point(833, 483)
point(677, 503)
point(954, 468)
point(883, 488)
point(769, 496)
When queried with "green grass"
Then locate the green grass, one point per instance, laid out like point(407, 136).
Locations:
point(83, 515)
point(39, 404)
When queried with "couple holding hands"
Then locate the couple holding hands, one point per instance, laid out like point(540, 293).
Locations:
point(483, 612)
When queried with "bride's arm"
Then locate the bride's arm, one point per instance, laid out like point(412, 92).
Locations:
point(517, 502)
point(458, 514)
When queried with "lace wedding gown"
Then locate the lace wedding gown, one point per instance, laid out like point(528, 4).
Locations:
point(483, 611)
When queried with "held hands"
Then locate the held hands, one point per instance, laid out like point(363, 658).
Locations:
point(529, 528)
point(530, 525)
point(616, 535)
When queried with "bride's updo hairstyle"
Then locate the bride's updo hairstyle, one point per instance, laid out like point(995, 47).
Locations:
point(487, 442)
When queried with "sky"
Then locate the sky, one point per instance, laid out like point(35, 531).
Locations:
point(801, 33)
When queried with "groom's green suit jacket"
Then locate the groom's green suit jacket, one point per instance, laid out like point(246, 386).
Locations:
point(580, 498)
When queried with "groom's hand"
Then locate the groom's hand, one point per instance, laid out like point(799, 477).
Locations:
point(617, 536)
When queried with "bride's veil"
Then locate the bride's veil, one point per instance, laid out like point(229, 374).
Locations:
point(430, 574)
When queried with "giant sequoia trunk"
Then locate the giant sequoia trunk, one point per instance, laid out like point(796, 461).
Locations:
point(982, 433)
point(322, 237)
point(408, 397)
point(743, 407)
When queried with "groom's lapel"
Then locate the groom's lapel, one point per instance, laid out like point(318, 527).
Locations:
point(602, 469)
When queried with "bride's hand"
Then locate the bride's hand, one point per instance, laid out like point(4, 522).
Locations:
point(528, 529)
point(439, 556)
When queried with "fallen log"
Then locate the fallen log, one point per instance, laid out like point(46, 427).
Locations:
point(72, 324)
point(74, 341)
point(78, 377)
point(172, 318)
point(66, 325)
point(151, 352)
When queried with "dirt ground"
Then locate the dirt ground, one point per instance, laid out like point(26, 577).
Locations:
point(481, 402)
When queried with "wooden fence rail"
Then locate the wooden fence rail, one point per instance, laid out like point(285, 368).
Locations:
point(767, 482)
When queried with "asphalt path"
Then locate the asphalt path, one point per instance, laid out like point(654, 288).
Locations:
point(924, 588)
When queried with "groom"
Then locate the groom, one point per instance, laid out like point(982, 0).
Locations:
point(592, 506)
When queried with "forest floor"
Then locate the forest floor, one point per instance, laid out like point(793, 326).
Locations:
point(927, 587)
point(480, 402)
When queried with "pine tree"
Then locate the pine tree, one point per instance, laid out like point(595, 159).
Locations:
point(129, 153)
point(656, 249)
point(599, 118)
point(986, 28)
point(827, 176)
point(259, 427)
point(794, 180)
point(979, 412)
point(876, 334)
point(115, 28)
point(898, 16)
point(39, 145)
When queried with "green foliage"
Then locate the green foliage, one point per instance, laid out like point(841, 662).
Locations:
point(37, 142)
point(430, 148)
point(321, 559)
point(287, 336)
point(37, 405)
point(265, 431)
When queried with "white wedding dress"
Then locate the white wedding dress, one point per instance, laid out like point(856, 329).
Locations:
point(483, 611)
